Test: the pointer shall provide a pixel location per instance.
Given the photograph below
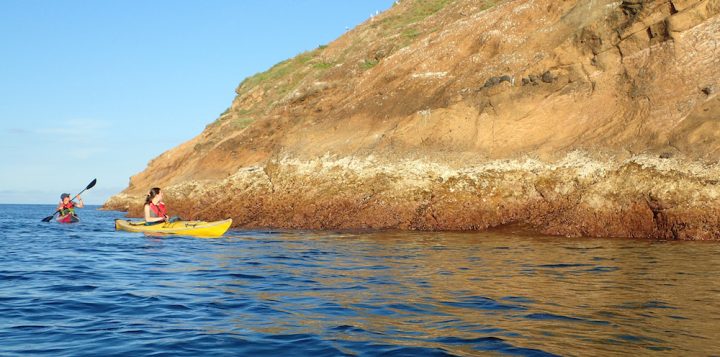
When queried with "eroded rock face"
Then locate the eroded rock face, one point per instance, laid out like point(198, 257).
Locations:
point(581, 118)
point(577, 196)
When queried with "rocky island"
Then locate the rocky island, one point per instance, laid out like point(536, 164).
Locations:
point(576, 118)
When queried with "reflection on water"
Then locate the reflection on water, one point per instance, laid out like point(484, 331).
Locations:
point(460, 291)
point(88, 288)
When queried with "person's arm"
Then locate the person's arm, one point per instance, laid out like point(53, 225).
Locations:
point(59, 207)
point(149, 218)
point(80, 204)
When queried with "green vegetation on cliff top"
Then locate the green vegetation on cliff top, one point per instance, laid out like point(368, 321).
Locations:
point(366, 48)
point(314, 62)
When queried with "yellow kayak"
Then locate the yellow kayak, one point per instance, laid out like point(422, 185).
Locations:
point(188, 228)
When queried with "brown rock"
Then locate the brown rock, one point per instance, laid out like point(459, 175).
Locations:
point(694, 15)
point(416, 123)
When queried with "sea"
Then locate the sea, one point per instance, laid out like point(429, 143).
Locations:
point(85, 289)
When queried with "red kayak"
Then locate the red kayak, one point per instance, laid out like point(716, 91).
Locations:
point(68, 218)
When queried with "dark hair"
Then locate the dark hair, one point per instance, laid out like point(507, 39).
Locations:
point(153, 192)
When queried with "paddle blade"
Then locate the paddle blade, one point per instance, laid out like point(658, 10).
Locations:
point(48, 218)
point(91, 184)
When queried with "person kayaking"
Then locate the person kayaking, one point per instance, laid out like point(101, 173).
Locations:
point(66, 208)
point(155, 210)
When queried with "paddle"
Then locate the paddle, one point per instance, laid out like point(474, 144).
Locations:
point(89, 186)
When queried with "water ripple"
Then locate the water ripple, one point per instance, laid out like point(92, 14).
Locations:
point(86, 290)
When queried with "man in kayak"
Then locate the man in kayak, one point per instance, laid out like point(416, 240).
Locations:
point(67, 208)
point(155, 211)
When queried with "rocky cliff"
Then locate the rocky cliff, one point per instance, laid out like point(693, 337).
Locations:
point(574, 117)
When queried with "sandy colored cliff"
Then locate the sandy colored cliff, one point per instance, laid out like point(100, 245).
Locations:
point(579, 118)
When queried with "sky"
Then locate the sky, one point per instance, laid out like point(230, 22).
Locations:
point(97, 89)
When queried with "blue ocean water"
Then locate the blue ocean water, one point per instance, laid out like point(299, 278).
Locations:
point(86, 290)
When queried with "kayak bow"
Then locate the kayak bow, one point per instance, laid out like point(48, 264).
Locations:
point(68, 218)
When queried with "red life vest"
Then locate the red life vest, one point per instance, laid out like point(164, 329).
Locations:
point(67, 208)
point(158, 210)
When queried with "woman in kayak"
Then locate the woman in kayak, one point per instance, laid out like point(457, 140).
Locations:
point(155, 211)
point(66, 208)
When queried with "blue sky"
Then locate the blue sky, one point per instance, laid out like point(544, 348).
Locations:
point(96, 89)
